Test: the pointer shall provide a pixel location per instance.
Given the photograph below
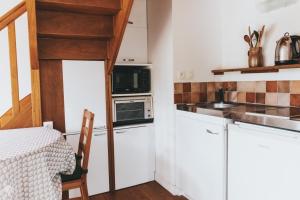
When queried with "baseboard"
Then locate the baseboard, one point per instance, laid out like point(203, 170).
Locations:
point(166, 184)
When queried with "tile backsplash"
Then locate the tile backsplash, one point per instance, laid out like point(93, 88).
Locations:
point(275, 93)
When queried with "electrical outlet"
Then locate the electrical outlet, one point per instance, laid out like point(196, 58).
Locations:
point(48, 124)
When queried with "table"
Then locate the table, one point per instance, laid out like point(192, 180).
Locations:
point(30, 162)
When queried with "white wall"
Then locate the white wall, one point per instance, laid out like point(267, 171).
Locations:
point(237, 15)
point(197, 38)
point(209, 35)
point(161, 56)
point(23, 58)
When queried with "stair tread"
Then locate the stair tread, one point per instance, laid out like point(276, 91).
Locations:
point(107, 7)
point(57, 24)
point(74, 36)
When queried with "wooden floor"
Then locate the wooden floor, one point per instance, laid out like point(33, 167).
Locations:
point(148, 191)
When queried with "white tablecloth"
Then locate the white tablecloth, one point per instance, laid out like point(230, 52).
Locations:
point(30, 162)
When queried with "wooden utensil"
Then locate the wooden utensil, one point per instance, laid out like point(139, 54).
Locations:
point(247, 39)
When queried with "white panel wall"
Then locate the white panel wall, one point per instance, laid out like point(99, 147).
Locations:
point(237, 15)
point(161, 55)
point(23, 58)
point(197, 38)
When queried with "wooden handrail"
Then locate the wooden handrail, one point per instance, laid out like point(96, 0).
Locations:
point(12, 15)
point(121, 21)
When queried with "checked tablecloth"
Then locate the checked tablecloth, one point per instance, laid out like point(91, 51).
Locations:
point(30, 162)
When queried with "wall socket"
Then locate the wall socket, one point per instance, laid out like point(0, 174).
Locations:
point(48, 124)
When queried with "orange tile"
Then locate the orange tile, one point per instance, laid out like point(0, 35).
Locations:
point(178, 88)
point(284, 86)
point(295, 87)
point(271, 86)
point(195, 87)
point(295, 100)
point(186, 98)
point(177, 98)
point(195, 97)
point(211, 97)
point(241, 96)
point(211, 87)
point(260, 98)
point(250, 97)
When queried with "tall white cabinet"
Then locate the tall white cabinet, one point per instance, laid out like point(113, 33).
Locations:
point(84, 87)
point(134, 48)
point(201, 156)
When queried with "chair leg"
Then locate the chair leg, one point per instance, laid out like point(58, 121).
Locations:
point(85, 189)
point(81, 192)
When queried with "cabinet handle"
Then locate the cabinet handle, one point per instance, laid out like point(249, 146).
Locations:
point(130, 22)
point(212, 133)
point(131, 59)
point(120, 132)
point(99, 134)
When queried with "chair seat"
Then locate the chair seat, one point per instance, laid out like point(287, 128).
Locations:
point(78, 172)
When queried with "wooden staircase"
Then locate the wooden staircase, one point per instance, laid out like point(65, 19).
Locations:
point(63, 30)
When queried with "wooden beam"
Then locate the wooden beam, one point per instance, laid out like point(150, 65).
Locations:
point(13, 68)
point(12, 15)
point(121, 21)
point(35, 73)
point(52, 91)
point(110, 130)
point(72, 49)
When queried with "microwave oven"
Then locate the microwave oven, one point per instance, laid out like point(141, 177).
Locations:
point(132, 110)
point(130, 80)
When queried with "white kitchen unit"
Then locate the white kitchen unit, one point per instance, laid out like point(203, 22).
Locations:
point(97, 178)
point(134, 155)
point(201, 156)
point(81, 93)
point(263, 163)
point(134, 48)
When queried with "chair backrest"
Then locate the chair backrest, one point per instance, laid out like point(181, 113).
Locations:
point(86, 138)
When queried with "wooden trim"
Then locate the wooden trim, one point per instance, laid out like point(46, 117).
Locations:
point(22, 120)
point(121, 21)
point(13, 68)
point(247, 70)
point(110, 130)
point(12, 15)
point(35, 73)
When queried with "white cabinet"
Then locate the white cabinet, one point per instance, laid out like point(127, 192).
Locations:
point(84, 87)
point(200, 156)
point(134, 47)
point(134, 155)
point(263, 163)
point(97, 178)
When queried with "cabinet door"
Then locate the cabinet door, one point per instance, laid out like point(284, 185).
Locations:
point(263, 163)
point(200, 159)
point(138, 15)
point(98, 177)
point(134, 155)
point(134, 47)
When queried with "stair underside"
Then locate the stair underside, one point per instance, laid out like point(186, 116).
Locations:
point(103, 7)
point(57, 24)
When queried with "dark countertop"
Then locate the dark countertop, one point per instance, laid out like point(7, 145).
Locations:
point(278, 117)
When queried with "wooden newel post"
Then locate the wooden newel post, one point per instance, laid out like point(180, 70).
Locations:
point(34, 61)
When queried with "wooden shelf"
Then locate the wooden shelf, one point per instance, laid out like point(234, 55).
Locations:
point(247, 70)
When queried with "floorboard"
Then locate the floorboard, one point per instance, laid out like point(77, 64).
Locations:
point(148, 191)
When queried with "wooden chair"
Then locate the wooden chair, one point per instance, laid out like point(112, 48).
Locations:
point(78, 178)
